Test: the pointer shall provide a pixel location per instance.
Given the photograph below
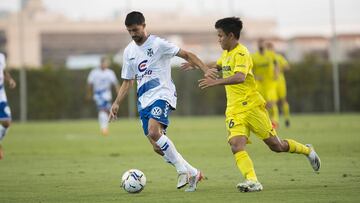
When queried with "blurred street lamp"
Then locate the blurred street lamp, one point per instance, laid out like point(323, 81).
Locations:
point(335, 65)
point(23, 82)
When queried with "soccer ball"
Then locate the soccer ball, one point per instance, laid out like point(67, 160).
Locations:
point(133, 181)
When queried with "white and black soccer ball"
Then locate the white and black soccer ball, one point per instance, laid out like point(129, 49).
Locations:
point(133, 181)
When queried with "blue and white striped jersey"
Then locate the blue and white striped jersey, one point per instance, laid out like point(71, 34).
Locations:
point(149, 65)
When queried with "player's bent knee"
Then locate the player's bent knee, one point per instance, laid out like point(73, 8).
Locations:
point(237, 144)
point(6, 124)
point(235, 149)
point(154, 134)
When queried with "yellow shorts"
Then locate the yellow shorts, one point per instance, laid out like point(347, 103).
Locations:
point(268, 91)
point(255, 120)
point(281, 87)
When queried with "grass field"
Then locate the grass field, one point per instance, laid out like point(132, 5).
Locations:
point(68, 161)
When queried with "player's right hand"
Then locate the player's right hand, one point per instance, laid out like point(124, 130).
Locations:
point(113, 112)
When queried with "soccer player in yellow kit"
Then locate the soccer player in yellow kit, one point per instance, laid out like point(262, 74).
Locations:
point(245, 110)
point(266, 72)
point(281, 84)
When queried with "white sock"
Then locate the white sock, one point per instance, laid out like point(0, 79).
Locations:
point(171, 154)
point(103, 119)
point(167, 159)
point(2, 132)
point(193, 171)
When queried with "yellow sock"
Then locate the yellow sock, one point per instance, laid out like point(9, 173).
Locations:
point(245, 165)
point(286, 110)
point(295, 147)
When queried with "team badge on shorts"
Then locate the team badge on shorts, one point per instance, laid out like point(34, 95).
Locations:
point(156, 111)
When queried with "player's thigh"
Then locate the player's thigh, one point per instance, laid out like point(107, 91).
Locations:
point(238, 143)
point(155, 127)
point(155, 117)
point(260, 123)
point(236, 125)
point(159, 117)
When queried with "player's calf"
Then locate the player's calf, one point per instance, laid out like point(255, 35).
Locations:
point(276, 145)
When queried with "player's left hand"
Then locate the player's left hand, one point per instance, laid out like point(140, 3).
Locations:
point(187, 67)
point(12, 83)
point(206, 82)
point(211, 73)
point(113, 112)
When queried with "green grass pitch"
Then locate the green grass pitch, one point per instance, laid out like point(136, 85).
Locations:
point(68, 161)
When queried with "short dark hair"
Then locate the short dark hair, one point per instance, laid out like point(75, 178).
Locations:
point(134, 18)
point(230, 25)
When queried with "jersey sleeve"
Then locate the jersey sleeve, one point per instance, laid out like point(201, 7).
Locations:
point(127, 71)
point(168, 48)
point(282, 61)
point(243, 63)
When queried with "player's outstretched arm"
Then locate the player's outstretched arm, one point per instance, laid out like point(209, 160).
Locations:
point(195, 61)
point(188, 66)
point(123, 91)
point(210, 82)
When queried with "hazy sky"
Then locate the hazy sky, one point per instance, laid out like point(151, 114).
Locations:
point(293, 17)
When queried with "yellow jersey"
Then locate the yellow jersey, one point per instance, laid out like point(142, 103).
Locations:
point(243, 96)
point(264, 65)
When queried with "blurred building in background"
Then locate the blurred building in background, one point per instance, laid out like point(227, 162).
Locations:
point(51, 38)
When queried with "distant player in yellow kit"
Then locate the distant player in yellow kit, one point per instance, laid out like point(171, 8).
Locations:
point(266, 74)
point(281, 84)
point(245, 109)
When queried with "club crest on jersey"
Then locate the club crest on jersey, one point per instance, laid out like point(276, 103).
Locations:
point(142, 66)
point(150, 52)
point(156, 111)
